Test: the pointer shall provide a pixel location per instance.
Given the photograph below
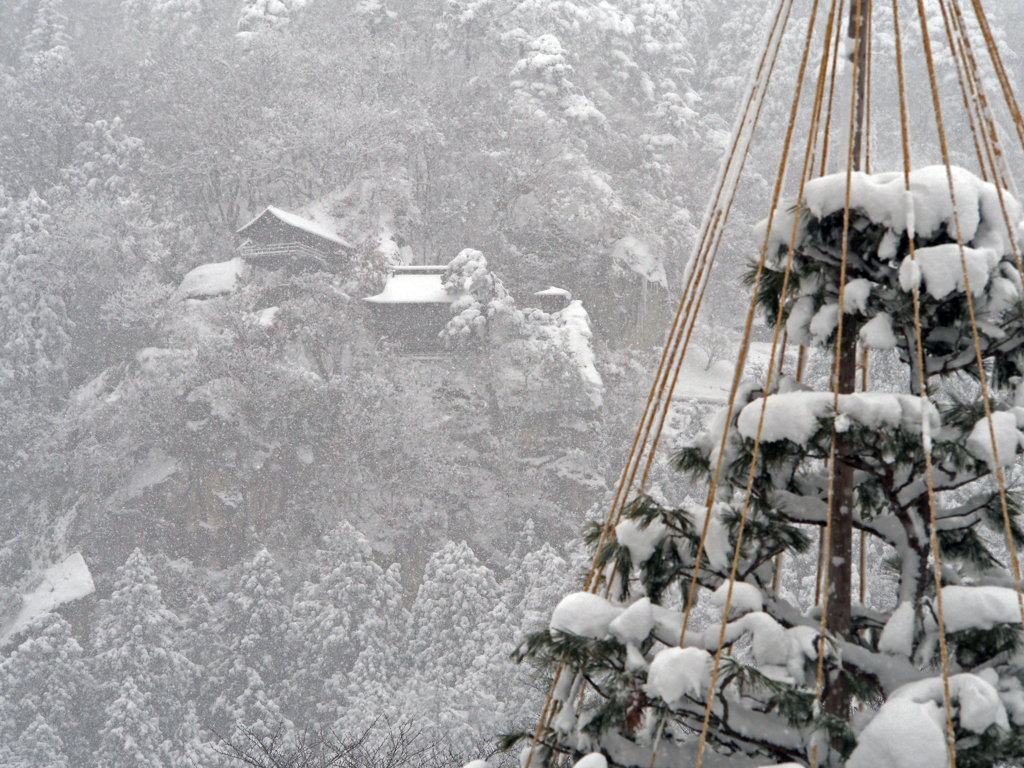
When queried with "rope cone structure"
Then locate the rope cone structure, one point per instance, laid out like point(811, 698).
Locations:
point(922, 259)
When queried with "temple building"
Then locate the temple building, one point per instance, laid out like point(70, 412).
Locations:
point(413, 308)
point(277, 239)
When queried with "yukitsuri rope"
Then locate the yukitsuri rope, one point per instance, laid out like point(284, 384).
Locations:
point(831, 96)
point(864, 358)
point(745, 343)
point(699, 277)
point(966, 91)
point(696, 279)
point(713, 223)
point(926, 443)
point(922, 374)
point(807, 165)
point(692, 310)
point(993, 153)
point(982, 377)
point(1000, 69)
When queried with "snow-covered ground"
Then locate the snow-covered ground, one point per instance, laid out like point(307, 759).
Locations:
point(713, 385)
point(61, 583)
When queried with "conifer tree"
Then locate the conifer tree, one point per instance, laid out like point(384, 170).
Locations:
point(644, 693)
point(33, 315)
point(47, 43)
point(132, 735)
point(38, 746)
point(459, 642)
point(47, 696)
point(348, 624)
point(136, 655)
point(259, 659)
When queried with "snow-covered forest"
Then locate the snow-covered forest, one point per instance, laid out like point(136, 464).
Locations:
point(248, 516)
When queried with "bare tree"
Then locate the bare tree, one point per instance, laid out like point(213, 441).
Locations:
point(320, 747)
point(714, 341)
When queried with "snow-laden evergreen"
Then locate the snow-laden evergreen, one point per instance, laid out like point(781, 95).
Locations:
point(639, 683)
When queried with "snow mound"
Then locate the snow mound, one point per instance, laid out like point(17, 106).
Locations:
point(877, 332)
point(898, 634)
point(979, 442)
point(265, 317)
point(904, 734)
point(634, 624)
point(62, 583)
point(746, 598)
point(716, 543)
point(882, 198)
point(979, 607)
point(679, 672)
point(212, 279)
point(977, 700)
point(584, 614)
point(641, 543)
point(942, 271)
point(636, 254)
point(593, 760)
point(794, 416)
point(576, 337)
point(157, 468)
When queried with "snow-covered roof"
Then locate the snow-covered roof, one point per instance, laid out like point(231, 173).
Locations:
point(414, 285)
point(553, 291)
point(299, 222)
point(420, 269)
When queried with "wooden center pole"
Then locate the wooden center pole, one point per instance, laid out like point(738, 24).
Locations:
point(840, 548)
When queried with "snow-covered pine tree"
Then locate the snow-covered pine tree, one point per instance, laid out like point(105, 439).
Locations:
point(148, 680)
point(259, 660)
point(33, 315)
point(47, 697)
point(47, 43)
point(131, 735)
point(348, 626)
point(483, 307)
point(459, 644)
point(641, 687)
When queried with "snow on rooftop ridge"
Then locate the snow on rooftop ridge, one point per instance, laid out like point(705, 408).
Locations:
point(419, 269)
point(553, 291)
point(412, 288)
point(62, 583)
point(299, 222)
point(211, 280)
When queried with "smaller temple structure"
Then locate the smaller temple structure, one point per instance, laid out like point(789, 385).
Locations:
point(552, 299)
point(277, 239)
point(413, 308)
